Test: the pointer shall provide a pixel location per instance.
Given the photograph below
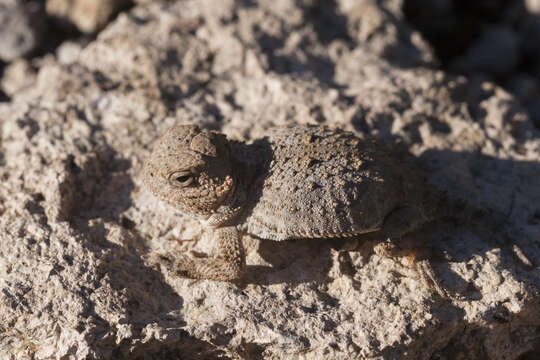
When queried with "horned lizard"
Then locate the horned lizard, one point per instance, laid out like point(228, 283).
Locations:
point(296, 182)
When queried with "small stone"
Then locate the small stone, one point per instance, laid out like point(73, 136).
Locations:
point(17, 75)
point(20, 29)
point(87, 15)
point(533, 6)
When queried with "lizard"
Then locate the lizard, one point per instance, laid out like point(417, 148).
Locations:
point(295, 182)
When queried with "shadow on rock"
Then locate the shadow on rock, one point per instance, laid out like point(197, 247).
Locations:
point(98, 185)
point(292, 262)
point(505, 189)
point(139, 295)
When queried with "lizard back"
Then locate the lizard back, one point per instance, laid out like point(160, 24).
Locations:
point(321, 183)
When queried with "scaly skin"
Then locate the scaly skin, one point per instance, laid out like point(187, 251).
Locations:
point(296, 182)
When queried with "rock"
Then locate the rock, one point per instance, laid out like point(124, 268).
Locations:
point(75, 223)
point(17, 76)
point(87, 15)
point(68, 52)
point(533, 6)
point(21, 26)
point(373, 24)
point(496, 38)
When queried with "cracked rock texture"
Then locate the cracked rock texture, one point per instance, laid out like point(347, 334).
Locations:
point(75, 222)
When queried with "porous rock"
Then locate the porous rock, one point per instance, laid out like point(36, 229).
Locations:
point(75, 223)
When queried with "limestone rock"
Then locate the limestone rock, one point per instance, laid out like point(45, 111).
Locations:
point(75, 223)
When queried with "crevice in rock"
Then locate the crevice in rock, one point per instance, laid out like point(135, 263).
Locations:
point(4, 97)
point(328, 24)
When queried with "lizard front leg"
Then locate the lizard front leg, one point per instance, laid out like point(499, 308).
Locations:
point(228, 265)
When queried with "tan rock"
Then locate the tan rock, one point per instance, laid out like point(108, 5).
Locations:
point(76, 224)
point(88, 15)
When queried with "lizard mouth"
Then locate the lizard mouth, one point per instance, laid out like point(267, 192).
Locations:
point(201, 202)
point(188, 210)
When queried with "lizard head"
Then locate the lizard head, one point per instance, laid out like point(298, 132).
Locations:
point(190, 168)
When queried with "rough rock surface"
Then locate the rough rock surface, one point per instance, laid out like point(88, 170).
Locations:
point(75, 222)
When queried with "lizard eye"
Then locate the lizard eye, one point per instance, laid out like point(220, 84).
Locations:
point(181, 178)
